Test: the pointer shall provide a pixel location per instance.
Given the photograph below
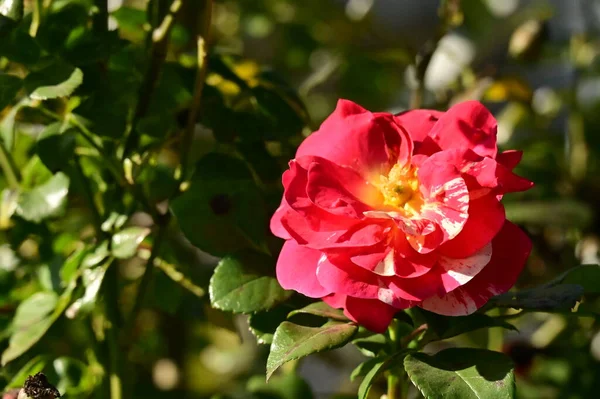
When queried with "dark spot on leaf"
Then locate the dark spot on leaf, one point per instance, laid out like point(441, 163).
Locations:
point(220, 204)
point(38, 387)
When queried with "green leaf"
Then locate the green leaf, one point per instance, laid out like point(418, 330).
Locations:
point(47, 200)
point(587, 276)
point(60, 24)
point(462, 373)
point(264, 324)
point(56, 80)
point(92, 281)
point(56, 147)
point(288, 386)
point(12, 9)
point(32, 367)
point(365, 367)
point(444, 327)
point(75, 378)
point(33, 319)
point(546, 298)
point(372, 368)
point(9, 87)
point(131, 21)
point(126, 242)
point(225, 198)
point(321, 309)
point(244, 283)
point(372, 345)
point(71, 265)
point(292, 341)
point(376, 367)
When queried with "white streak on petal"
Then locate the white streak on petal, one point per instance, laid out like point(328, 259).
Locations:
point(386, 267)
point(463, 270)
point(451, 304)
point(386, 295)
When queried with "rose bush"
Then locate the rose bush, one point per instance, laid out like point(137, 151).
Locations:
point(384, 212)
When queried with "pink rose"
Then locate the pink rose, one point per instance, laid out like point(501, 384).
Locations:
point(383, 212)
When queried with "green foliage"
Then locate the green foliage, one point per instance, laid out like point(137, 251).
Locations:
point(241, 283)
point(292, 341)
point(138, 179)
point(462, 373)
point(44, 201)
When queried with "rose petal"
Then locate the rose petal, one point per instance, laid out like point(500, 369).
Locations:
point(418, 122)
point(296, 197)
point(492, 174)
point(396, 258)
point(445, 194)
point(352, 280)
point(340, 274)
point(334, 300)
point(467, 125)
point(486, 218)
point(509, 159)
point(297, 270)
point(370, 313)
point(459, 271)
point(511, 248)
point(354, 137)
point(276, 226)
point(339, 190)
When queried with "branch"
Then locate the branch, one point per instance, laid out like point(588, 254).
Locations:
point(188, 136)
point(160, 42)
point(8, 167)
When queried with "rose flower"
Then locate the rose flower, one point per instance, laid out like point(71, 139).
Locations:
point(384, 212)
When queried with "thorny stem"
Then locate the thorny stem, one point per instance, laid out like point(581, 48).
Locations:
point(158, 53)
point(9, 169)
point(188, 136)
point(163, 225)
point(100, 22)
point(112, 312)
point(394, 388)
point(36, 18)
point(89, 194)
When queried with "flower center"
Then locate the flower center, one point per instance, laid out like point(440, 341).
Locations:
point(400, 189)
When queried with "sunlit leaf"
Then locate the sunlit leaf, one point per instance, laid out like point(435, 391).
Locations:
point(244, 282)
point(321, 309)
point(33, 318)
point(32, 367)
point(292, 341)
point(57, 80)
point(460, 373)
point(126, 242)
point(47, 200)
point(12, 9)
point(92, 281)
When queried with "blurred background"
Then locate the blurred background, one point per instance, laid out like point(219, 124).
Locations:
point(534, 63)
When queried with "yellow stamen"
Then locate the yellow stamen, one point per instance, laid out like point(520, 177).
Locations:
point(400, 189)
